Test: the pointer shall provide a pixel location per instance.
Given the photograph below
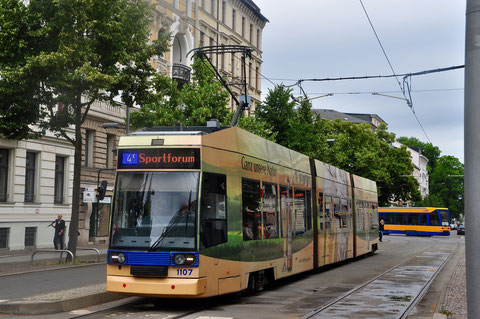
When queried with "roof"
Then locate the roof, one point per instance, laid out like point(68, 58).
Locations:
point(333, 115)
point(366, 116)
point(255, 9)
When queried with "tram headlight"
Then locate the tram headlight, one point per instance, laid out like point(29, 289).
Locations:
point(184, 259)
point(116, 257)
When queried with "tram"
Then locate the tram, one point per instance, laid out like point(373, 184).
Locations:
point(416, 221)
point(208, 211)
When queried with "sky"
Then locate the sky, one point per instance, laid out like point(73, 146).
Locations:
point(333, 38)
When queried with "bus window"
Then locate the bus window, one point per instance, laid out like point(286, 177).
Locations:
point(413, 219)
point(444, 217)
point(434, 221)
point(401, 219)
point(270, 210)
point(300, 212)
point(423, 219)
point(389, 219)
point(213, 217)
point(252, 219)
point(328, 213)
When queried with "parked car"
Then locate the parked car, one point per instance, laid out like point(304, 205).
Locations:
point(461, 230)
point(453, 226)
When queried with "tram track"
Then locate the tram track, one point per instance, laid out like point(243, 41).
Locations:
point(181, 308)
point(320, 312)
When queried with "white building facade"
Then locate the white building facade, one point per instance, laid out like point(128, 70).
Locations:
point(420, 172)
point(36, 178)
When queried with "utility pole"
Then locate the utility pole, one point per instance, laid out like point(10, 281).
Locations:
point(472, 156)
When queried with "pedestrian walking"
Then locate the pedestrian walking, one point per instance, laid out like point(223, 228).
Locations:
point(381, 229)
point(59, 225)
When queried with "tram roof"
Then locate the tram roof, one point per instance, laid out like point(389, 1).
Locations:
point(177, 130)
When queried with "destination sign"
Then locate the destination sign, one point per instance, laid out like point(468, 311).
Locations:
point(159, 158)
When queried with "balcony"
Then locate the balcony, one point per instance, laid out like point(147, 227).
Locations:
point(181, 73)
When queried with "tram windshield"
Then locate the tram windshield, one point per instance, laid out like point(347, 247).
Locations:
point(445, 218)
point(155, 210)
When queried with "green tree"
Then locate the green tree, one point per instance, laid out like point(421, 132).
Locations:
point(196, 102)
point(71, 52)
point(446, 186)
point(278, 110)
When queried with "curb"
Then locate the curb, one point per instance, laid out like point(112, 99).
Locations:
point(53, 307)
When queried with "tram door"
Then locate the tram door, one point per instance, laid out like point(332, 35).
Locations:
point(287, 216)
point(329, 235)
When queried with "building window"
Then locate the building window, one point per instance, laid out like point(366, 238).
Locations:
point(222, 62)
point(232, 62)
point(234, 13)
point(59, 179)
point(250, 74)
point(177, 4)
point(258, 38)
point(243, 27)
point(189, 8)
point(89, 147)
point(251, 33)
point(4, 159)
point(224, 11)
point(4, 237)
point(30, 177)
point(110, 147)
point(30, 236)
point(202, 4)
point(257, 79)
point(212, 7)
point(202, 39)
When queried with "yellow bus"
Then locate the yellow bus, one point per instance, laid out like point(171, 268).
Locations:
point(209, 211)
point(416, 221)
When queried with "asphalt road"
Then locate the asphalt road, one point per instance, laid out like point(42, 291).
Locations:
point(293, 297)
point(36, 283)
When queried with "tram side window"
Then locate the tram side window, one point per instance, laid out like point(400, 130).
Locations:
point(252, 219)
point(401, 219)
point(308, 218)
point(213, 217)
point(389, 219)
point(320, 211)
point(270, 210)
point(328, 213)
point(300, 210)
point(413, 219)
point(338, 214)
point(360, 216)
point(434, 221)
point(345, 213)
point(423, 219)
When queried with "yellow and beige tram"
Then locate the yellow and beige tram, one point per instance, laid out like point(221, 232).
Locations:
point(209, 211)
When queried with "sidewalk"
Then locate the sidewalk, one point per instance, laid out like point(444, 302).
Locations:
point(18, 264)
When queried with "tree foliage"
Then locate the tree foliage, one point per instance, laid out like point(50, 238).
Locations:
point(196, 102)
point(447, 186)
point(73, 53)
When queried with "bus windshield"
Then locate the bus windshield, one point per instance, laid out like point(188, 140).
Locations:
point(155, 210)
point(444, 217)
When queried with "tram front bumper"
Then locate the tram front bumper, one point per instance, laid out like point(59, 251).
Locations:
point(161, 287)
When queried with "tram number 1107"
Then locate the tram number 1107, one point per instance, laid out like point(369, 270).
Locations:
point(184, 272)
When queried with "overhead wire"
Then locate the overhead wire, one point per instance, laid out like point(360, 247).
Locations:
point(409, 102)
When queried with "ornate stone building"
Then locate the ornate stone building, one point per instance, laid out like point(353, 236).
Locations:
point(192, 24)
